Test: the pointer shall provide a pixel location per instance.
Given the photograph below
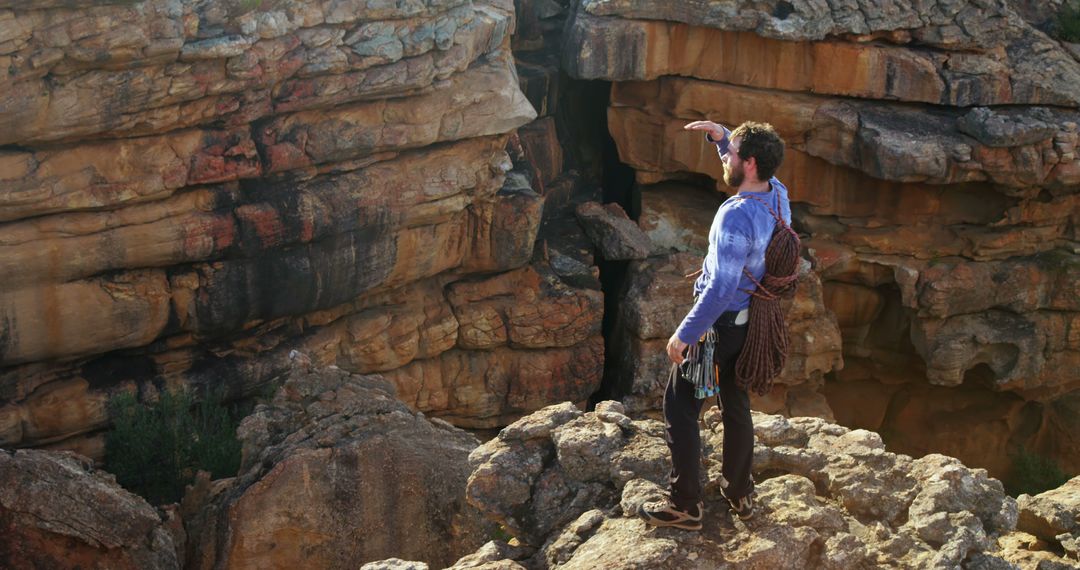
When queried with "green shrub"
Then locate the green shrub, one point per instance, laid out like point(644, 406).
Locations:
point(1034, 474)
point(1068, 21)
point(155, 450)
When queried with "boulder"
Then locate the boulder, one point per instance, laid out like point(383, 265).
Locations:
point(1052, 513)
point(613, 233)
point(57, 511)
point(337, 472)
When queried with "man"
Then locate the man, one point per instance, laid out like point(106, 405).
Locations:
point(738, 238)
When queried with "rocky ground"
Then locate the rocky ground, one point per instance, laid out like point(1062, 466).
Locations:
point(568, 484)
point(337, 473)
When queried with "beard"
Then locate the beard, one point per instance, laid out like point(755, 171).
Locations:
point(734, 176)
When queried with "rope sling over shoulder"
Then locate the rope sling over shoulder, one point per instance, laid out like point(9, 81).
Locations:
point(766, 349)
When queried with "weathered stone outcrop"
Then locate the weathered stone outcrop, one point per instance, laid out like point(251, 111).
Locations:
point(337, 472)
point(133, 69)
point(948, 53)
point(193, 190)
point(1054, 513)
point(57, 511)
point(944, 235)
point(567, 485)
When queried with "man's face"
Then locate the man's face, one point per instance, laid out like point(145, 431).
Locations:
point(734, 175)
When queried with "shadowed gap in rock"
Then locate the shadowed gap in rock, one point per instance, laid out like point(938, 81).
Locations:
point(588, 119)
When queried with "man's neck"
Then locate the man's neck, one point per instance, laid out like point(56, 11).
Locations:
point(756, 186)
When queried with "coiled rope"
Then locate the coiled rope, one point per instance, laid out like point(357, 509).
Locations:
point(766, 349)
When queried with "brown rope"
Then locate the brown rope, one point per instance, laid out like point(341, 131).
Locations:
point(766, 349)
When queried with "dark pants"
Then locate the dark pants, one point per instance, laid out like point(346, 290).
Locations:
point(681, 411)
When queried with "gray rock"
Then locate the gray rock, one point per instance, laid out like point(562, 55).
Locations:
point(568, 268)
point(339, 456)
point(948, 486)
point(1051, 513)
point(792, 499)
point(561, 549)
point(585, 447)
point(495, 555)
point(613, 232)
point(394, 564)
point(1005, 129)
point(983, 561)
point(645, 456)
point(540, 424)
point(57, 511)
point(844, 551)
point(1070, 542)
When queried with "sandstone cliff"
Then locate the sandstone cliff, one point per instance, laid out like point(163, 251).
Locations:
point(933, 169)
point(190, 190)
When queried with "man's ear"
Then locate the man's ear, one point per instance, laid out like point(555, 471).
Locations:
point(750, 166)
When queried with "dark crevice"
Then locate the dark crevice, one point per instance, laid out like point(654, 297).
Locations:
point(585, 122)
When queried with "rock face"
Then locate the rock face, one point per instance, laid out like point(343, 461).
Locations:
point(932, 164)
point(57, 511)
point(191, 190)
point(568, 485)
point(337, 472)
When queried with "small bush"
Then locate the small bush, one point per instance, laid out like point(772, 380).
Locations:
point(1068, 21)
point(155, 450)
point(1034, 474)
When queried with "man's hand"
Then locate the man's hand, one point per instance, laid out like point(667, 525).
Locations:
point(675, 349)
point(715, 130)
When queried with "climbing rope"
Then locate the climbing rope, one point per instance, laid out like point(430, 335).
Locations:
point(766, 349)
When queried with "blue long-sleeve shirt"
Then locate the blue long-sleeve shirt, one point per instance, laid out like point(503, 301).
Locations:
point(738, 237)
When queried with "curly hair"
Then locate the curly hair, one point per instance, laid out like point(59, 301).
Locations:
point(759, 140)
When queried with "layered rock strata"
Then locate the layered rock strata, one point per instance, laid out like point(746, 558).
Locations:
point(193, 190)
point(336, 472)
point(568, 485)
point(933, 169)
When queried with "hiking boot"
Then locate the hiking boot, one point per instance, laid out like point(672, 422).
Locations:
point(743, 506)
point(665, 513)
